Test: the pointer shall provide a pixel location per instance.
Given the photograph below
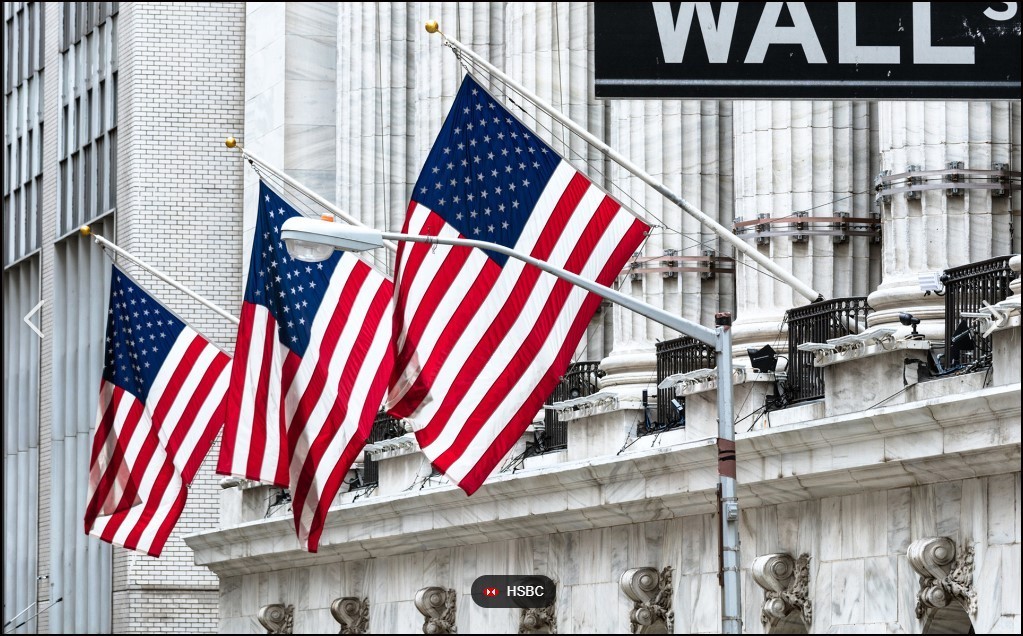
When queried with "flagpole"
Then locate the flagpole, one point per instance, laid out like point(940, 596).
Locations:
point(86, 231)
point(722, 232)
point(231, 142)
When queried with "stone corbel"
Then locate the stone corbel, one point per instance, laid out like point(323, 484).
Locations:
point(353, 614)
point(946, 574)
point(786, 582)
point(437, 604)
point(539, 620)
point(277, 618)
point(651, 593)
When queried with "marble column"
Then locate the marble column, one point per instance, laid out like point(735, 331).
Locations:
point(686, 145)
point(801, 156)
point(937, 230)
point(290, 97)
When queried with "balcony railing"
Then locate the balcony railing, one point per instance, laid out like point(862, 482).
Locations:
point(384, 427)
point(579, 380)
point(818, 322)
point(680, 355)
point(966, 289)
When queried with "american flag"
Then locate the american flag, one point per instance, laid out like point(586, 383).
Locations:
point(312, 360)
point(161, 406)
point(481, 339)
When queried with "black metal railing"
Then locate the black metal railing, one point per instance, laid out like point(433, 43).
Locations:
point(818, 322)
point(579, 380)
point(681, 355)
point(384, 427)
point(966, 289)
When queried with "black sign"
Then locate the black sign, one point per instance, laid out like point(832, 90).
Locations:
point(801, 50)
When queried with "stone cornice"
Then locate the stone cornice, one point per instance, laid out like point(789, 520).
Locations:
point(955, 436)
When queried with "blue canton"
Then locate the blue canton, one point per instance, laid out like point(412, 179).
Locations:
point(486, 170)
point(140, 334)
point(291, 289)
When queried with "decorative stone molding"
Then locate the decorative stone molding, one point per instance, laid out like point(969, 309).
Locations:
point(437, 604)
point(787, 585)
point(540, 620)
point(353, 614)
point(651, 592)
point(587, 406)
point(946, 574)
point(277, 618)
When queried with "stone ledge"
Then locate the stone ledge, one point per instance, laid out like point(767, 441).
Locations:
point(922, 442)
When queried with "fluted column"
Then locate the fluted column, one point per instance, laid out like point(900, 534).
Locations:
point(687, 146)
point(937, 230)
point(548, 48)
point(801, 156)
point(291, 97)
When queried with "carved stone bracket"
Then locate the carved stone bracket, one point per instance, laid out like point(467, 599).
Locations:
point(651, 593)
point(437, 604)
point(946, 574)
point(787, 585)
point(277, 618)
point(540, 620)
point(352, 613)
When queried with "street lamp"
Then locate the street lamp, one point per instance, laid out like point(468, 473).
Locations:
point(307, 239)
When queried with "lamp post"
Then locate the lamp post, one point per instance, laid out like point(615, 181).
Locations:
point(314, 240)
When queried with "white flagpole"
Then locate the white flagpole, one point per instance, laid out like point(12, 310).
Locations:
point(722, 232)
point(86, 231)
point(231, 142)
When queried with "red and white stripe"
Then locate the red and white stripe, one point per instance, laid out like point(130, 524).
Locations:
point(253, 443)
point(304, 420)
point(337, 389)
point(480, 347)
point(144, 455)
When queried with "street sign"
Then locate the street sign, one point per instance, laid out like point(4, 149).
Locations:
point(808, 50)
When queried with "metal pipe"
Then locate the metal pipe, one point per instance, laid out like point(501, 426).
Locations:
point(34, 615)
point(722, 232)
point(155, 272)
point(696, 330)
point(731, 605)
point(231, 142)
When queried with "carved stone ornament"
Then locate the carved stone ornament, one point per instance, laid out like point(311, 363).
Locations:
point(650, 592)
point(438, 606)
point(352, 613)
point(539, 620)
point(787, 585)
point(946, 574)
point(277, 618)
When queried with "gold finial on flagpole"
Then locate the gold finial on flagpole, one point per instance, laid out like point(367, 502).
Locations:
point(85, 230)
point(230, 142)
point(432, 26)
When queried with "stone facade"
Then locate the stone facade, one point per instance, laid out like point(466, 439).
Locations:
point(838, 488)
point(174, 201)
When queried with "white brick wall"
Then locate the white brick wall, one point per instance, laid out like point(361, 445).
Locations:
point(179, 207)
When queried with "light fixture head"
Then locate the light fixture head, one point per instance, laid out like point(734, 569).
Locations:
point(677, 405)
point(930, 282)
point(314, 240)
point(764, 359)
point(909, 320)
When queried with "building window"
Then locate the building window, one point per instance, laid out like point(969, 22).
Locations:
point(21, 440)
point(87, 139)
point(23, 134)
